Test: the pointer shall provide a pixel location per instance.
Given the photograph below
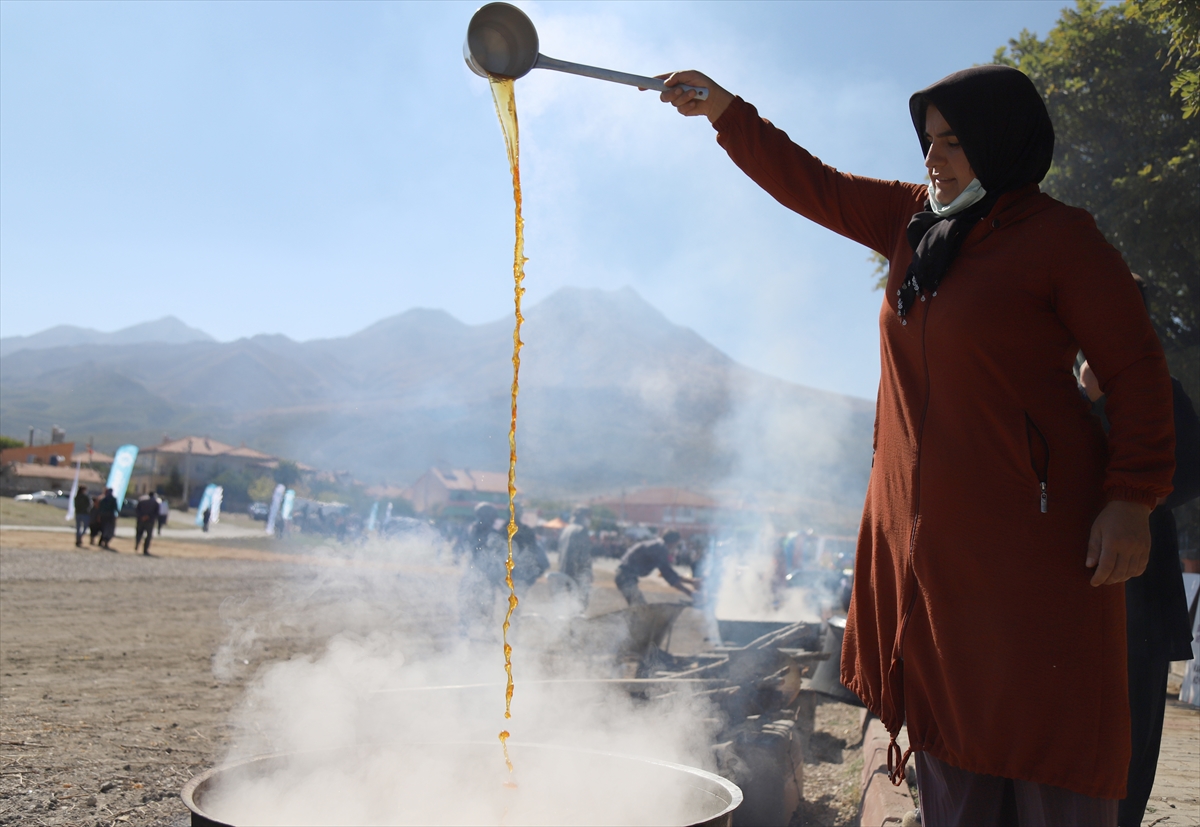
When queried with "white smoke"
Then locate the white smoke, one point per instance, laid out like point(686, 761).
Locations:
point(368, 741)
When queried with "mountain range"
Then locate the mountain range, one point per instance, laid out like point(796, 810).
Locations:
point(612, 395)
point(167, 330)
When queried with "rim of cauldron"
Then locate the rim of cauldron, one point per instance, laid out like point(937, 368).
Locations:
point(201, 819)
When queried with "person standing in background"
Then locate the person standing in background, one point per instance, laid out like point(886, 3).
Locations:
point(164, 511)
point(146, 515)
point(83, 510)
point(1158, 629)
point(529, 558)
point(94, 522)
point(575, 557)
point(487, 551)
point(107, 510)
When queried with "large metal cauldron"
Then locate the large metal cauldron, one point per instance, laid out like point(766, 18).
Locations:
point(463, 783)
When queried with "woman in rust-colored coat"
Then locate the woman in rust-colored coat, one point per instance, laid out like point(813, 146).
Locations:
point(987, 613)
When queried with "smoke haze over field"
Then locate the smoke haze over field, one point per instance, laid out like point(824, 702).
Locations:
point(382, 618)
point(612, 395)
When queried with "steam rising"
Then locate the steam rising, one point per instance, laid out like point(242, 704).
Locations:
point(748, 592)
point(369, 742)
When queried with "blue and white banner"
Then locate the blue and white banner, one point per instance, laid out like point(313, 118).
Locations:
point(218, 495)
point(374, 516)
point(206, 500)
point(122, 470)
point(276, 501)
point(289, 500)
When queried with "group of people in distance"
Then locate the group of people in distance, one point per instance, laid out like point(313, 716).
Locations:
point(657, 553)
point(98, 516)
point(1002, 521)
point(487, 554)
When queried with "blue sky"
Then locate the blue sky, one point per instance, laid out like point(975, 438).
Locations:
point(311, 168)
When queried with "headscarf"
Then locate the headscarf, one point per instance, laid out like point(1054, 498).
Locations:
point(1005, 131)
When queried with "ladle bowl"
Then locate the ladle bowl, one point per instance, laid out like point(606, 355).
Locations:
point(503, 43)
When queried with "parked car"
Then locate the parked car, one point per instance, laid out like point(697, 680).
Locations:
point(259, 511)
point(398, 526)
point(58, 499)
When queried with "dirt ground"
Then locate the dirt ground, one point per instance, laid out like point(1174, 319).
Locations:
point(110, 698)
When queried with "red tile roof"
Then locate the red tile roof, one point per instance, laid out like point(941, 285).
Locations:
point(457, 479)
point(64, 473)
point(205, 447)
point(662, 496)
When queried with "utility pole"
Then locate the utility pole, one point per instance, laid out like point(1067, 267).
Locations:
point(187, 475)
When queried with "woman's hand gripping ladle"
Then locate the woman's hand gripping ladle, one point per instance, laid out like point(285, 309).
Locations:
point(684, 99)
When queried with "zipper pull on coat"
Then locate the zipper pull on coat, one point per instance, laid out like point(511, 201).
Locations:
point(1043, 498)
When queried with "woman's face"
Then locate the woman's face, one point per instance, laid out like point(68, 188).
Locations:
point(946, 161)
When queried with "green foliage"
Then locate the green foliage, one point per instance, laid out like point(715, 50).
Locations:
point(10, 442)
point(262, 489)
point(601, 512)
point(342, 488)
point(548, 508)
point(1180, 19)
point(236, 485)
point(1124, 152)
point(27, 513)
point(288, 473)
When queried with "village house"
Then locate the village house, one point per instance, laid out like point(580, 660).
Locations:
point(27, 469)
point(685, 511)
point(192, 462)
point(29, 477)
point(456, 492)
point(56, 453)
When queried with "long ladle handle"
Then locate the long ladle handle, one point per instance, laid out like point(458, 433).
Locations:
point(657, 85)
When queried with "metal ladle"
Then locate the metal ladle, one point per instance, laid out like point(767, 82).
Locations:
point(502, 42)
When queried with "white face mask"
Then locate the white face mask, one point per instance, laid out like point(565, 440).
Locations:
point(966, 198)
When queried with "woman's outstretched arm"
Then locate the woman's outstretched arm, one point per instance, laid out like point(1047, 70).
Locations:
point(872, 212)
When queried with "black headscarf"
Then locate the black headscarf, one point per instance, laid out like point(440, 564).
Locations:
point(1005, 131)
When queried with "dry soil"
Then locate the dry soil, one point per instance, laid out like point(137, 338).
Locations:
point(109, 695)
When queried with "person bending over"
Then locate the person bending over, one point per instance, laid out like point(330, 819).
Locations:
point(643, 558)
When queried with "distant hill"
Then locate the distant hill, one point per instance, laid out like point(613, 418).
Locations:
point(167, 330)
point(612, 394)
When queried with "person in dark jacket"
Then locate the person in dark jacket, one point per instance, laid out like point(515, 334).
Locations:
point(95, 524)
point(487, 551)
point(645, 557)
point(529, 558)
point(107, 509)
point(1157, 627)
point(147, 515)
point(83, 508)
point(575, 557)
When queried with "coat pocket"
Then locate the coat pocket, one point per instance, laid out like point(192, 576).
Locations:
point(1039, 458)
